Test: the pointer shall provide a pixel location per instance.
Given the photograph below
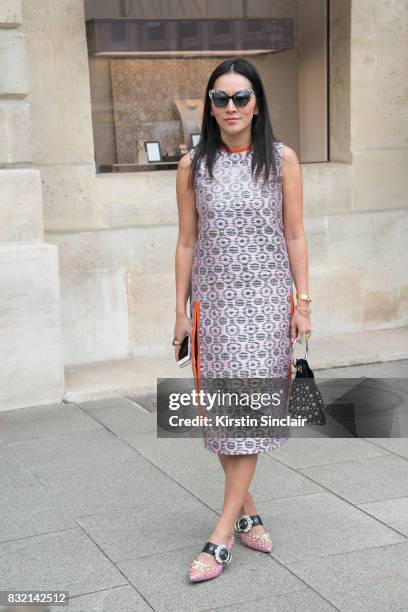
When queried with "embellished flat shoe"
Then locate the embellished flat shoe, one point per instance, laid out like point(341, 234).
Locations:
point(244, 525)
point(199, 570)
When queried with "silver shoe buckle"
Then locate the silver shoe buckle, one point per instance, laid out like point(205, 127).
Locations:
point(222, 554)
point(244, 523)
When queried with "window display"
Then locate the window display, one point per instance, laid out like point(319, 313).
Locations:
point(148, 78)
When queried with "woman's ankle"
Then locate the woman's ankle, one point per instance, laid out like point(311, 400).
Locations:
point(248, 507)
point(222, 532)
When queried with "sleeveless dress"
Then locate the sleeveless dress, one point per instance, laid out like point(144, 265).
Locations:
point(241, 299)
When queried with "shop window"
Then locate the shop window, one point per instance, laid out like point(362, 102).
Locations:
point(149, 64)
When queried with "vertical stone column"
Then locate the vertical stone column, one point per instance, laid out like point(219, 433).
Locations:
point(31, 350)
point(59, 95)
point(379, 144)
point(379, 96)
point(339, 85)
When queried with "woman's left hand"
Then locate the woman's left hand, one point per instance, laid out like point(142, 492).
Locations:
point(300, 325)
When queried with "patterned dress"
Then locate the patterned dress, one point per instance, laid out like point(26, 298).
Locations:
point(241, 298)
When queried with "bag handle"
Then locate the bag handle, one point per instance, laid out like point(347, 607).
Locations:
point(306, 351)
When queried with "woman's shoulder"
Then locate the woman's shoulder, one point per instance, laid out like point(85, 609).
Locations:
point(184, 161)
point(288, 154)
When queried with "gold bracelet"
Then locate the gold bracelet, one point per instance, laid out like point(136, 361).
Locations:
point(304, 296)
point(303, 310)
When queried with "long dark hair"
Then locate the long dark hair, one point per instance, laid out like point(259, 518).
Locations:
point(264, 158)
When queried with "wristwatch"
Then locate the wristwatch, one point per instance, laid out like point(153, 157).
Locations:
point(304, 296)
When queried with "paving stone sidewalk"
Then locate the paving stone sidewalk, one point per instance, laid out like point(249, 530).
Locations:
point(93, 503)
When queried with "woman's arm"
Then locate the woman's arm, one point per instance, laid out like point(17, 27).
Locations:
point(187, 238)
point(294, 233)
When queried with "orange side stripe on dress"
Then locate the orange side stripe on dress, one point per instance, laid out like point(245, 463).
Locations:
point(195, 344)
point(193, 362)
point(198, 337)
point(292, 310)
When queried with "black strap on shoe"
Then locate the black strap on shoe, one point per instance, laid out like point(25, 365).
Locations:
point(219, 551)
point(246, 522)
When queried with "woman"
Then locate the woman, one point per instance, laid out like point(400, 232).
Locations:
point(241, 245)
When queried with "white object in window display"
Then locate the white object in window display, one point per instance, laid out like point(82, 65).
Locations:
point(153, 151)
point(195, 139)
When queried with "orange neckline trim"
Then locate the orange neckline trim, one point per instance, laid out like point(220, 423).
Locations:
point(239, 150)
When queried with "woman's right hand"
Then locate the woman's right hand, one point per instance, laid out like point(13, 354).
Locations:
point(182, 328)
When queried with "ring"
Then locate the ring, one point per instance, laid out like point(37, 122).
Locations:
point(175, 342)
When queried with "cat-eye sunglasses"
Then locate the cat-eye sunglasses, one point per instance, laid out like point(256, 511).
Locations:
point(240, 98)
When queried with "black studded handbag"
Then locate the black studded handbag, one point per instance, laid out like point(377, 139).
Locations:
point(305, 400)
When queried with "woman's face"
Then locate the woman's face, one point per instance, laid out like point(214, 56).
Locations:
point(230, 83)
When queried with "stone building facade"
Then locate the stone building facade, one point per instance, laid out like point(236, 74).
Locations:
point(87, 259)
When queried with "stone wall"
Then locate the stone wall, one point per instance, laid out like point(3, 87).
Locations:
point(31, 349)
point(116, 234)
point(379, 148)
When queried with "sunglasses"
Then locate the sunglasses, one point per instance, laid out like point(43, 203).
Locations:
point(240, 98)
